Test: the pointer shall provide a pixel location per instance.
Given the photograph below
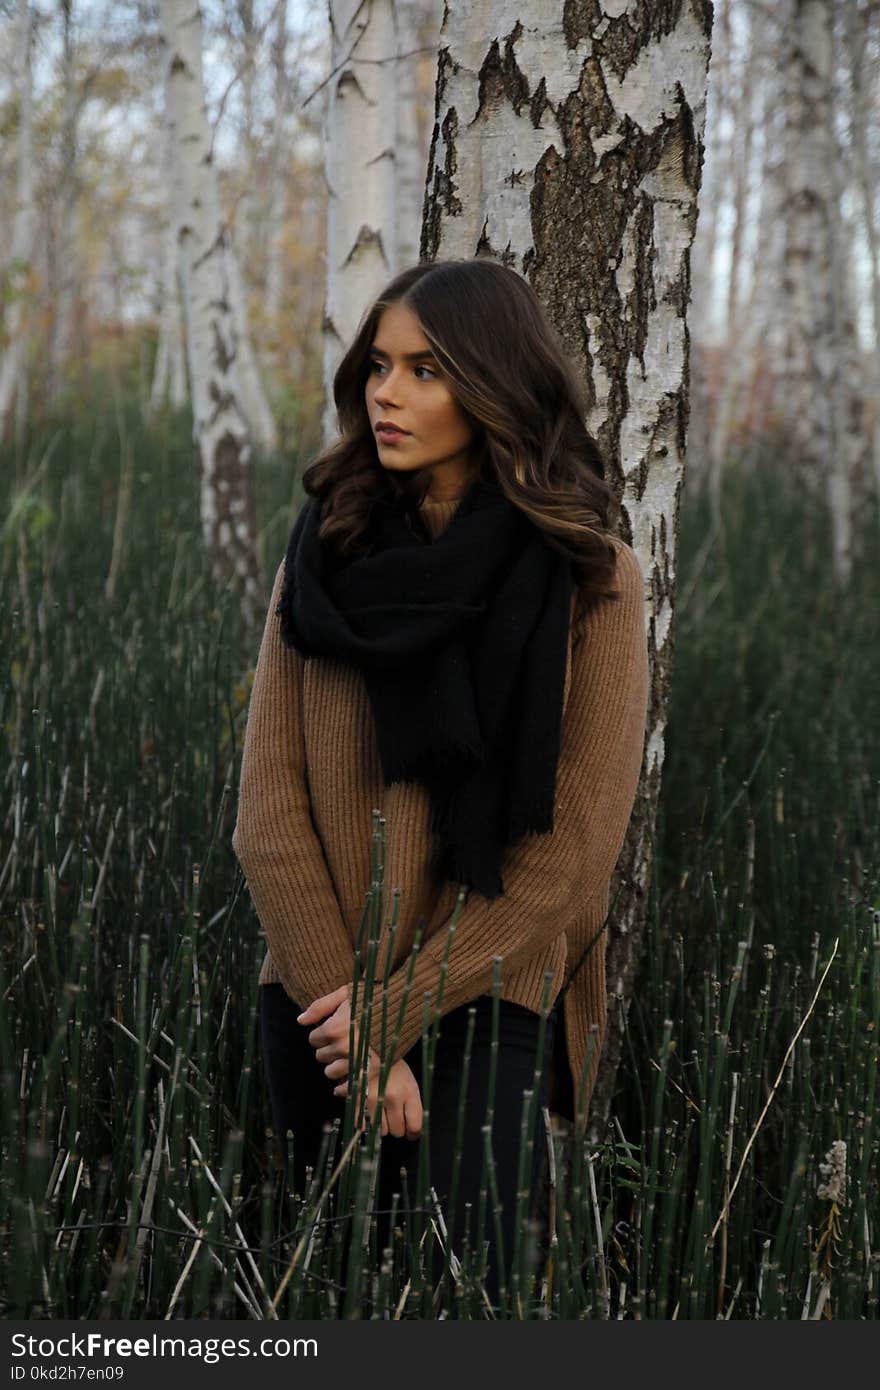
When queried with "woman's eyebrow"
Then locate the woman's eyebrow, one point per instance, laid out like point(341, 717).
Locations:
point(407, 356)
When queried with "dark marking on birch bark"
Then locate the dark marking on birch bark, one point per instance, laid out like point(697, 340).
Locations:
point(235, 560)
point(224, 355)
point(441, 201)
point(506, 257)
point(446, 65)
point(513, 79)
point(579, 19)
point(366, 238)
point(222, 400)
point(348, 85)
point(490, 82)
point(229, 454)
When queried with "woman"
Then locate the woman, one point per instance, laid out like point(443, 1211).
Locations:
point(454, 637)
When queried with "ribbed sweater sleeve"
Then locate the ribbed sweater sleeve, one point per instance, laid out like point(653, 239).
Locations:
point(547, 876)
point(274, 837)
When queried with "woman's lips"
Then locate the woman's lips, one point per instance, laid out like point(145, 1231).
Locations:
point(389, 436)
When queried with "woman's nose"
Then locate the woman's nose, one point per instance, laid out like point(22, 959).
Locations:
point(386, 389)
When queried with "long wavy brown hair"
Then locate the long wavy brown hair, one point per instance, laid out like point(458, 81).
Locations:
point(508, 373)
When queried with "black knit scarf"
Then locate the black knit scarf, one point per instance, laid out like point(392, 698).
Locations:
point(462, 644)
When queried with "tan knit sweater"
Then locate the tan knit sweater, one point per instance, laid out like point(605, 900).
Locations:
point(311, 777)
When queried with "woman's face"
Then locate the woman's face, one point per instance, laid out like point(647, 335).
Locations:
point(406, 388)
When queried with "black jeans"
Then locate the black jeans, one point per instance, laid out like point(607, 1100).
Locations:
point(302, 1101)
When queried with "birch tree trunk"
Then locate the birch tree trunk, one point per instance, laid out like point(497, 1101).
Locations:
point(704, 325)
point(752, 114)
point(857, 37)
point(65, 209)
point(706, 332)
point(254, 401)
point(814, 392)
point(418, 27)
point(219, 426)
point(246, 214)
point(760, 347)
point(277, 185)
point(742, 139)
point(568, 145)
point(360, 141)
point(169, 372)
point(18, 267)
point(848, 463)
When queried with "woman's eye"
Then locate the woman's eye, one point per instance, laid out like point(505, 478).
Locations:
point(375, 364)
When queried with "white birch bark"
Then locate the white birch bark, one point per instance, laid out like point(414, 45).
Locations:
point(219, 425)
point(704, 324)
point(246, 229)
point(753, 116)
point(254, 401)
point(857, 26)
point(743, 131)
point(706, 332)
point(849, 458)
point(817, 385)
point(12, 366)
point(169, 371)
point(274, 287)
point(360, 142)
point(418, 28)
point(568, 144)
point(805, 370)
point(65, 209)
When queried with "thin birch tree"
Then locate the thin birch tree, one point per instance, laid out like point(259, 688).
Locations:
point(749, 302)
point(818, 364)
point(255, 402)
point(220, 427)
point(865, 96)
point(18, 267)
point(418, 27)
point(65, 205)
point(169, 371)
point(360, 140)
point(277, 202)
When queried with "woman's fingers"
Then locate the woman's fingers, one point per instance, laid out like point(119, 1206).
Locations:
point(329, 1033)
point(413, 1111)
point(396, 1117)
point(326, 1004)
point(334, 1031)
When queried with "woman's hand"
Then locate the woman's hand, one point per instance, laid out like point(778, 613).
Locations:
point(402, 1104)
point(330, 1038)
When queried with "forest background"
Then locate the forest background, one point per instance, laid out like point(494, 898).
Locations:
point(730, 1166)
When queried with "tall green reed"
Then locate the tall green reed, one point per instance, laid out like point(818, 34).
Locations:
point(139, 1175)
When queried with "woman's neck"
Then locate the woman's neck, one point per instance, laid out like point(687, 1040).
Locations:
point(451, 486)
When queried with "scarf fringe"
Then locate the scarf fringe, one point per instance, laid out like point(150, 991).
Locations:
point(461, 757)
point(529, 820)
